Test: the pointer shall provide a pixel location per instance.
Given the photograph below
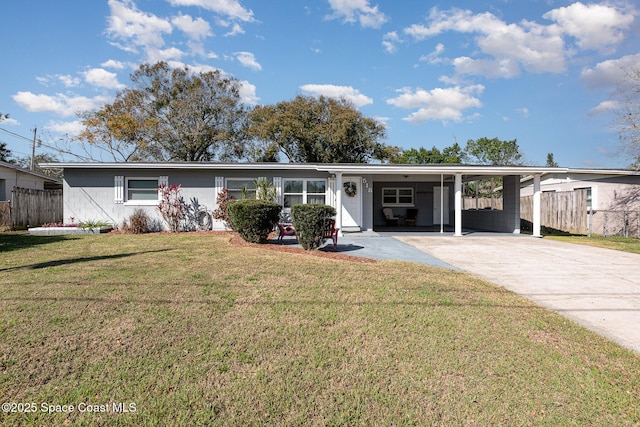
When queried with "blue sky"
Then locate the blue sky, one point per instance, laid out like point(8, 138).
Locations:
point(544, 72)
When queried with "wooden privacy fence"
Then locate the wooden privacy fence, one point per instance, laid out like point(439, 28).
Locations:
point(5, 215)
point(32, 208)
point(565, 211)
point(470, 203)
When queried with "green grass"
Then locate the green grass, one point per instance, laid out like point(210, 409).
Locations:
point(196, 331)
point(626, 244)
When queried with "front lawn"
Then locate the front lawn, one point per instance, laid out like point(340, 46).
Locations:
point(189, 329)
point(626, 244)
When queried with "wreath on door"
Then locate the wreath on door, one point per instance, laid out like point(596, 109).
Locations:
point(350, 189)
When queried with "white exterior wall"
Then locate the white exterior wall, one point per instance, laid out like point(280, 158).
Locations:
point(90, 194)
point(10, 178)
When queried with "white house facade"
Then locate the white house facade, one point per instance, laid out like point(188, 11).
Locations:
point(112, 191)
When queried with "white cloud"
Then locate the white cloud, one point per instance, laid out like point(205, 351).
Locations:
point(248, 60)
point(130, 25)
point(195, 29)
point(596, 26)
point(248, 93)
point(610, 74)
point(112, 63)
point(508, 47)
point(102, 78)
point(433, 57)
point(505, 49)
point(505, 68)
point(167, 55)
point(439, 103)
point(235, 30)
point(61, 104)
point(357, 10)
point(69, 128)
point(333, 91)
point(231, 8)
point(524, 111)
point(390, 42)
point(10, 121)
point(68, 80)
point(606, 107)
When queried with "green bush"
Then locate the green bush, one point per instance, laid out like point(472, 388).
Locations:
point(253, 219)
point(311, 222)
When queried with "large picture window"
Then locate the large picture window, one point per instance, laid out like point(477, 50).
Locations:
point(242, 187)
point(397, 196)
point(142, 189)
point(304, 191)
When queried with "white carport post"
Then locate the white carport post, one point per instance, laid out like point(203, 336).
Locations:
point(442, 203)
point(536, 205)
point(339, 202)
point(457, 186)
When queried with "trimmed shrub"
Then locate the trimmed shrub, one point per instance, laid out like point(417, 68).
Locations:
point(253, 219)
point(311, 222)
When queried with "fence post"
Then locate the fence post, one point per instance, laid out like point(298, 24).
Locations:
point(590, 221)
point(626, 224)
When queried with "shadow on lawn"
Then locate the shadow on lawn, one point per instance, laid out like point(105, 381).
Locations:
point(14, 241)
point(60, 262)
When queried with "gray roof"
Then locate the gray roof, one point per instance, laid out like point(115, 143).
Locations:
point(322, 167)
point(28, 172)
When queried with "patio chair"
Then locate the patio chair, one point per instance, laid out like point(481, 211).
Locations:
point(332, 233)
point(389, 217)
point(285, 230)
point(410, 219)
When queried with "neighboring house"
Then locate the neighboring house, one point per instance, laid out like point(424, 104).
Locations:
point(20, 205)
point(14, 176)
point(112, 191)
point(612, 195)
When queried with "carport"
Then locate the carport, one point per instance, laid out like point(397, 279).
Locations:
point(435, 189)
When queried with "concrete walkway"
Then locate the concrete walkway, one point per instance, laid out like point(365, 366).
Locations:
point(377, 246)
point(598, 288)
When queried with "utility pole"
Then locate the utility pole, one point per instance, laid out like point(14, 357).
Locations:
point(33, 150)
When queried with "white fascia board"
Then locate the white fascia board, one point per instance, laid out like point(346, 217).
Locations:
point(433, 169)
point(181, 165)
point(390, 169)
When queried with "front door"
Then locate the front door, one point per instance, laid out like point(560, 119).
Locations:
point(441, 205)
point(351, 203)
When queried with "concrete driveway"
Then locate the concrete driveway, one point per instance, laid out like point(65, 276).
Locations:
point(598, 288)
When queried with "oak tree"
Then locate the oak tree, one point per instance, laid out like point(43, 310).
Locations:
point(170, 114)
point(317, 130)
point(449, 155)
point(494, 152)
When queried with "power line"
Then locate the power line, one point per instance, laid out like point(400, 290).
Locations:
point(16, 135)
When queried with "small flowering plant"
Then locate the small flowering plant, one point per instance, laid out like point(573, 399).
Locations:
point(60, 224)
point(172, 206)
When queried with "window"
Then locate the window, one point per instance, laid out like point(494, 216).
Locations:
point(304, 191)
point(142, 189)
point(242, 188)
point(402, 196)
